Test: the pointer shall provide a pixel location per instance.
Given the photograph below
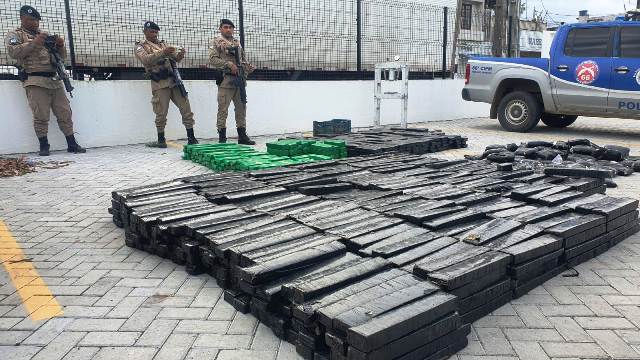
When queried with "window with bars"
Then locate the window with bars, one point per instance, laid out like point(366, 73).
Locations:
point(466, 17)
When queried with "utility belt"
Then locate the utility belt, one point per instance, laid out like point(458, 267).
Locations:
point(163, 74)
point(23, 75)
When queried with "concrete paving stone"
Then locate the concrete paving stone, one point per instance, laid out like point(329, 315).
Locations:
point(599, 306)
point(629, 336)
point(499, 321)
point(18, 352)
point(622, 300)
point(7, 323)
point(223, 341)
point(243, 324)
point(168, 301)
point(623, 286)
point(60, 346)
point(287, 351)
point(126, 307)
point(207, 297)
point(265, 339)
point(49, 331)
point(535, 299)
point(77, 300)
point(528, 350)
point(95, 325)
point(67, 290)
point(505, 310)
point(202, 354)
point(162, 270)
point(631, 313)
point(566, 310)
point(190, 287)
point(222, 311)
point(563, 295)
point(157, 332)
point(143, 292)
point(110, 338)
point(246, 355)
point(113, 296)
point(116, 266)
point(532, 334)
point(102, 286)
point(494, 342)
point(135, 283)
point(532, 316)
point(91, 277)
point(140, 319)
point(570, 330)
point(473, 348)
point(85, 311)
point(581, 350)
point(176, 347)
point(202, 327)
point(594, 290)
point(13, 337)
point(82, 353)
point(613, 345)
point(593, 323)
point(137, 353)
point(184, 313)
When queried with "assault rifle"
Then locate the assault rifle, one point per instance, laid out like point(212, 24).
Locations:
point(177, 77)
point(240, 81)
point(58, 63)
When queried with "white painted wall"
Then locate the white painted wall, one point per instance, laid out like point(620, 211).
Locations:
point(119, 112)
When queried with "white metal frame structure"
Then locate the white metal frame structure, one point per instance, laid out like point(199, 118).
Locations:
point(392, 69)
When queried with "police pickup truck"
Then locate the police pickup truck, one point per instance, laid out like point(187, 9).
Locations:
point(593, 70)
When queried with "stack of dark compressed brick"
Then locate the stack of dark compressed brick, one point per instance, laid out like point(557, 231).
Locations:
point(391, 139)
point(379, 257)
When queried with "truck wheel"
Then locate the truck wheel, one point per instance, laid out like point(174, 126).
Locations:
point(519, 111)
point(558, 121)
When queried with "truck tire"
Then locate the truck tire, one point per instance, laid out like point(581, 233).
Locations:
point(519, 111)
point(558, 121)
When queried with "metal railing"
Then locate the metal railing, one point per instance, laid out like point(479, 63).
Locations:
point(284, 39)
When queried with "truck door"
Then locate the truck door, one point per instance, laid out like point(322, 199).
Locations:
point(580, 70)
point(624, 97)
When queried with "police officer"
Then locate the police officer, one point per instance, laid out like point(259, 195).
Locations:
point(45, 91)
point(222, 59)
point(154, 55)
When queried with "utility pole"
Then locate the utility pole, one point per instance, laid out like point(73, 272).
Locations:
point(638, 5)
point(499, 31)
point(456, 37)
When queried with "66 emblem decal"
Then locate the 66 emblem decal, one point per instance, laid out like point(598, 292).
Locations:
point(587, 72)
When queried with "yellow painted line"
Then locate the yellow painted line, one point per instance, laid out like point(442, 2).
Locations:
point(174, 145)
point(37, 299)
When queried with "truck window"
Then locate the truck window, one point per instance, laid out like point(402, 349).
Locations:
point(590, 42)
point(630, 42)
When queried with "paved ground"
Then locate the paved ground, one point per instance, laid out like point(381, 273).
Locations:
point(122, 302)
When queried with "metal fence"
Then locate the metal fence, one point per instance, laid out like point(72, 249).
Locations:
point(284, 39)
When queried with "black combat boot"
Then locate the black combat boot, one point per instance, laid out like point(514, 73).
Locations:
point(73, 147)
point(243, 138)
point(222, 135)
point(191, 138)
point(161, 143)
point(44, 146)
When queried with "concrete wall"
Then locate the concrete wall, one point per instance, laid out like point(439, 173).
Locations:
point(119, 112)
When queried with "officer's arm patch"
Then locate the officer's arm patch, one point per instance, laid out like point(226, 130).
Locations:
point(14, 40)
